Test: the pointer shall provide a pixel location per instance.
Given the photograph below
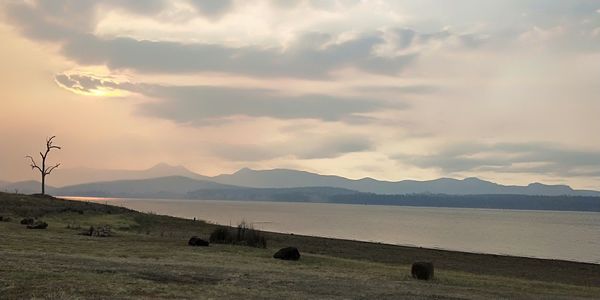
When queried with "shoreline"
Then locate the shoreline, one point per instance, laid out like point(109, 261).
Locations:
point(83, 198)
point(554, 270)
point(283, 230)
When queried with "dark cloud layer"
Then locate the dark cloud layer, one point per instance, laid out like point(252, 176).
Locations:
point(198, 103)
point(212, 8)
point(511, 158)
point(171, 57)
point(312, 55)
point(201, 104)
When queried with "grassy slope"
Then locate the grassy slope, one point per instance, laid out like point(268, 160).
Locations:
point(148, 257)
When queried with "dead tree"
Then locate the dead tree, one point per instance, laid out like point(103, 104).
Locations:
point(44, 171)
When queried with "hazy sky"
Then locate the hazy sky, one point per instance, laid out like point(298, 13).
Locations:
point(505, 90)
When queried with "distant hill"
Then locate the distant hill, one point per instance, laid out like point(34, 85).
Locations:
point(162, 187)
point(284, 178)
point(25, 187)
point(63, 177)
point(179, 187)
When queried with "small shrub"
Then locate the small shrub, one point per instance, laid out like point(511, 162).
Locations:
point(251, 237)
point(27, 221)
point(220, 235)
point(243, 234)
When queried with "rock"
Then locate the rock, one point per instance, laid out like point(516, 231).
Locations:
point(88, 232)
point(38, 225)
point(101, 231)
point(288, 253)
point(196, 241)
point(27, 221)
point(422, 270)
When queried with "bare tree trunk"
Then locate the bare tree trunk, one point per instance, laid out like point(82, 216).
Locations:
point(43, 185)
point(43, 170)
point(44, 176)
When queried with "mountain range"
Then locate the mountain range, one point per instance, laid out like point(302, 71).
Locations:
point(178, 180)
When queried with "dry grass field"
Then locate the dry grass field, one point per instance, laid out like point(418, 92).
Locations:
point(148, 257)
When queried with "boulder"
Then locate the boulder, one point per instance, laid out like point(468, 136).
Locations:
point(27, 221)
point(422, 270)
point(38, 225)
point(196, 241)
point(288, 253)
point(101, 231)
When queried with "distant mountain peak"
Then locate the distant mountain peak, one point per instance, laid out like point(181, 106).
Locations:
point(368, 179)
point(543, 184)
point(474, 179)
point(166, 166)
point(244, 170)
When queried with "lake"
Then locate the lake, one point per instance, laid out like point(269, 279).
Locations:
point(571, 236)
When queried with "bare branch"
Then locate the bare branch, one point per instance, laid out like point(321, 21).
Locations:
point(50, 169)
point(49, 145)
point(34, 164)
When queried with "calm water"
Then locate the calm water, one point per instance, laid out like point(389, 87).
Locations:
point(546, 234)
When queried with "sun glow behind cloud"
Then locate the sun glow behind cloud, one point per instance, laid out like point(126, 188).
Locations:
point(90, 84)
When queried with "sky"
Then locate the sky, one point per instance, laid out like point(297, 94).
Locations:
point(503, 90)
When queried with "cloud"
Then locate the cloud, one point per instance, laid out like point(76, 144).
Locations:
point(310, 55)
point(322, 146)
point(74, 14)
point(333, 146)
point(86, 84)
point(212, 8)
point(198, 105)
point(304, 59)
point(532, 158)
point(399, 89)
